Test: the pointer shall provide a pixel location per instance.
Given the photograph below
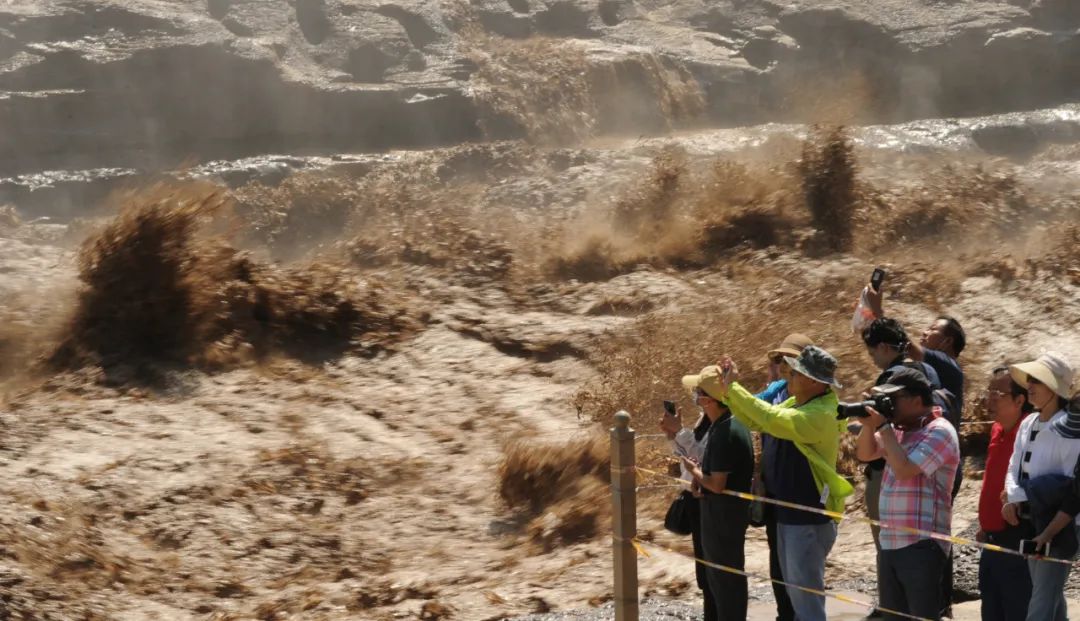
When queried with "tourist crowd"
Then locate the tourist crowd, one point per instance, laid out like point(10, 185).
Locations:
point(906, 433)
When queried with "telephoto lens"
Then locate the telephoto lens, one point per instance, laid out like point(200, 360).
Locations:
point(882, 403)
point(852, 410)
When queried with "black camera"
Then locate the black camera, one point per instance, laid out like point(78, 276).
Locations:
point(882, 403)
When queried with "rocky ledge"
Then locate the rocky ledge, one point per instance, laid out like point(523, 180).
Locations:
point(148, 84)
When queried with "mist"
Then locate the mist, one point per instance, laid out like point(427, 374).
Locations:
point(321, 309)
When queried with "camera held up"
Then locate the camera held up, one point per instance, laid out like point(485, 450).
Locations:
point(882, 403)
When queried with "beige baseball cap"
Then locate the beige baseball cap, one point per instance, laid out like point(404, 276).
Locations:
point(709, 380)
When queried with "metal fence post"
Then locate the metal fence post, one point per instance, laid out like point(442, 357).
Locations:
point(624, 518)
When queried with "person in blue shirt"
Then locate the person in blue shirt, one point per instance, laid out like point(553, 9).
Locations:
point(940, 346)
point(771, 448)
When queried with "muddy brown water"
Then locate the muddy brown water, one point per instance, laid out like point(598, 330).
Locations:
point(364, 486)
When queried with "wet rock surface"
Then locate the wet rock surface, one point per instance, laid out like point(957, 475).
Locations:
point(81, 81)
point(1018, 136)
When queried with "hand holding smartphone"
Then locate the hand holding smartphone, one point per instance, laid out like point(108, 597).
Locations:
point(876, 279)
point(670, 422)
point(1030, 546)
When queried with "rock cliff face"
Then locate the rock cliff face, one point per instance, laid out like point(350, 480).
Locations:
point(148, 84)
point(134, 84)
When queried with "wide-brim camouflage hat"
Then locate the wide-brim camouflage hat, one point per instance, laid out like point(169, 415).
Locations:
point(817, 364)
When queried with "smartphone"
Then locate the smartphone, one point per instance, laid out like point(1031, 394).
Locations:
point(877, 278)
point(1027, 546)
point(669, 407)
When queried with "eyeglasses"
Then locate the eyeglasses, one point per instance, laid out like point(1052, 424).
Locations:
point(997, 394)
point(1033, 380)
point(699, 394)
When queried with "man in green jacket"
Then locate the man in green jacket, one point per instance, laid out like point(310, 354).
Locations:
point(802, 469)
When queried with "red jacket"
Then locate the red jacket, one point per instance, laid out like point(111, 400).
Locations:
point(997, 464)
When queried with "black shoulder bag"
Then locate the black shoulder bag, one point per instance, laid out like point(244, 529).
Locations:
point(679, 518)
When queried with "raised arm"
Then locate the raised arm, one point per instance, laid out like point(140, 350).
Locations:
point(782, 422)
point(903, 467)
point(868, 446)
point(875, 298)
point(916, 351)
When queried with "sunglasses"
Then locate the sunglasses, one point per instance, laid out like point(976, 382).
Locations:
point(700, 394)
point(997, 394)
point(778, 359)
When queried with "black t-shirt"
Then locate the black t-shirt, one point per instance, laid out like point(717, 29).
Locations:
point(729, 449)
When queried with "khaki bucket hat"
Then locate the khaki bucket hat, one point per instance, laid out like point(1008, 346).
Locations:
point(792, 345)
point(1051, 369)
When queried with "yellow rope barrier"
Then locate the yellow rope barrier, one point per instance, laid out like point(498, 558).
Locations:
point(745, 574)
point(914, 531)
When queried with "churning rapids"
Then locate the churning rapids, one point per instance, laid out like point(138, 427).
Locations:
point(318, 309)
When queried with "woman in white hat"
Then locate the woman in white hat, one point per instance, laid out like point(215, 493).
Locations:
point(1045, 445)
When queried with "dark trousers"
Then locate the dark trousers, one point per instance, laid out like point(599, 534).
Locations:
point(947, 574)
point(694, 512)
point(947, 585)
point(723, 540)
point(784, 611)
point(909, 580)
point(1005, 586)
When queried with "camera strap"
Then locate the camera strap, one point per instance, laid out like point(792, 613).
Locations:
point(923, 421)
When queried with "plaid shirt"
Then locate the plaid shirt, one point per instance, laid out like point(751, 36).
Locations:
point(924, 501)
